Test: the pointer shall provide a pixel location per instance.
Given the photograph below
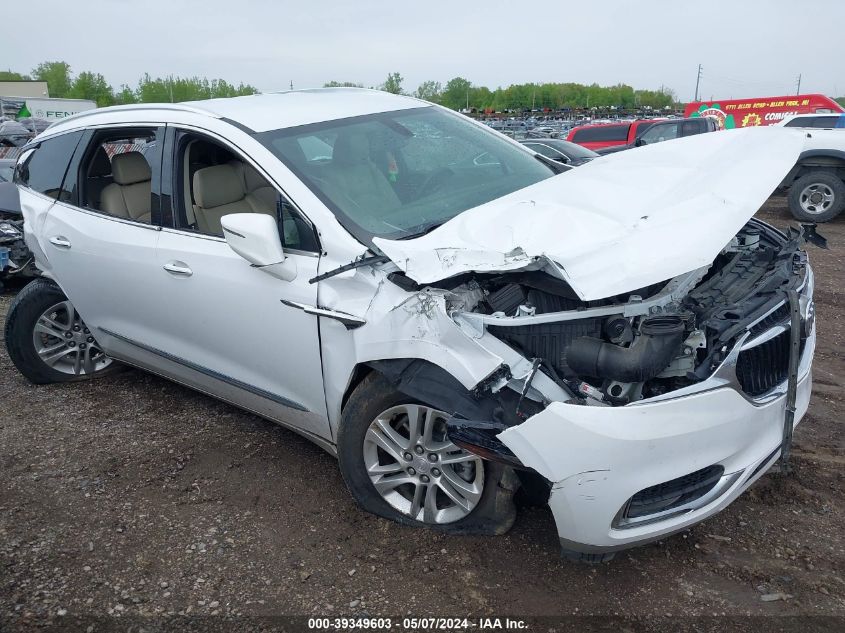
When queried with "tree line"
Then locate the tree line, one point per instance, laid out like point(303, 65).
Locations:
point(63, 84)
point(460, 93)
point(457, 93)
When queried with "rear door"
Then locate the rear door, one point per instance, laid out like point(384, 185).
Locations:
point(102, 256)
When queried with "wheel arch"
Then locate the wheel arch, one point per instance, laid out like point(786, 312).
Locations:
point(830, 160)
point(433, 385)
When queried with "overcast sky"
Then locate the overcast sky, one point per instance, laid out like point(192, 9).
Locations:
point(746, 47)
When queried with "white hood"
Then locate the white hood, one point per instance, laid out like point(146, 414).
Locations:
point(618, 223)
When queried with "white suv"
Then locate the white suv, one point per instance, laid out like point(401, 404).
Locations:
point(621, 338)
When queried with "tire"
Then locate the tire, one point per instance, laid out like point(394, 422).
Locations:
point(493, 512)
point(25, 329)
point(818, 196)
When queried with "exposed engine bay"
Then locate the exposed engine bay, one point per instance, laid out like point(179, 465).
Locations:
point(654, 340)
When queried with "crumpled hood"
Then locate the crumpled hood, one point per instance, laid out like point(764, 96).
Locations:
point(618, 223)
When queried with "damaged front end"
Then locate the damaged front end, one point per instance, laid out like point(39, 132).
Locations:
point(640, 357)
point(646, 412)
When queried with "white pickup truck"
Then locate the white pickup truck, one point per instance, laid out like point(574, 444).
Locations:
point(815, 186)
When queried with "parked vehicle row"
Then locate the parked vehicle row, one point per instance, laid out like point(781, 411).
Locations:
point(18, 132)
point(451, 328)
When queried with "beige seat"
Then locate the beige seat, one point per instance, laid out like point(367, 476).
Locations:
point(220, 190)
point(261, 195)
point(265, 199)
point(352, 179)
point(129, 195)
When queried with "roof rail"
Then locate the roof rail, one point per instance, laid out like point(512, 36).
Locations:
point(179, 107)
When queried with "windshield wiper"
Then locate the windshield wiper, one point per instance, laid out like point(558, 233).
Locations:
point(358, 263)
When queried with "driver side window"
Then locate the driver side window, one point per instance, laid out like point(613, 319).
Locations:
point(212, 180)
point(659, 133)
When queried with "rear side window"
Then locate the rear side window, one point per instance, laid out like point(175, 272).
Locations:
point(44, 169)
point(688, 128)
point(825, 122)
point(116, 173)
point(601, 133)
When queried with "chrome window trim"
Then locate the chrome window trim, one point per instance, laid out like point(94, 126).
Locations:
point(217, 238)
point(107, 216)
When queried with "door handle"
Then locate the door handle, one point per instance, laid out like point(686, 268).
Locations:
point(178, 268)
point(60, 241)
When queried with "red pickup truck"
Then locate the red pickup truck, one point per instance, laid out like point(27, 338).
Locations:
point(608, 134)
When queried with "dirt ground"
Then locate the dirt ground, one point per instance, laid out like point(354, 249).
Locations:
point(132, 496)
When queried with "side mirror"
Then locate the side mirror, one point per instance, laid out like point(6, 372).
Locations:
point(255, 237)
point(640, 142)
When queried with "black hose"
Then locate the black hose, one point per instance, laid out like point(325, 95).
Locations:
point(658, 343)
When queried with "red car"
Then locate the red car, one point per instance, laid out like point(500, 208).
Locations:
point(602, 135)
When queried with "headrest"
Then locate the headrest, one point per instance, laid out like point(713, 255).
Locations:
point(351, 148)
point(217, 185)
point(100, 165)
point(129, 168)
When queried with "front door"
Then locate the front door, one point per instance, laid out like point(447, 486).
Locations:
point(226, 322)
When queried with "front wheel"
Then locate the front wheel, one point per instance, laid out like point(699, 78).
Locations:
point(47, 339)
point(818, 196)
point(398, 463)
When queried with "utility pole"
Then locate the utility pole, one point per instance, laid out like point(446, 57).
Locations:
point(798, 91)
point(697, 81)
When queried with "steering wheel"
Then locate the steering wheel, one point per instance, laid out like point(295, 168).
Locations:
point(436, 180)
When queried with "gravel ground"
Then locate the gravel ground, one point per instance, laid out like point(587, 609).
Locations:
point(132, 496)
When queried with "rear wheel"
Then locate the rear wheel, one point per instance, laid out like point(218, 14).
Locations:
point(818, 196)
point(398, 463)
point(47, 339)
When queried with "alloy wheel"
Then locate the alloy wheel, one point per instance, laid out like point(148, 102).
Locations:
point(64, 343)
point(417, 470)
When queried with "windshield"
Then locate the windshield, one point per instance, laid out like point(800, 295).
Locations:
point(400, 174)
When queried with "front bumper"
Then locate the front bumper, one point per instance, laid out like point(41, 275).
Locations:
point(598, 458)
